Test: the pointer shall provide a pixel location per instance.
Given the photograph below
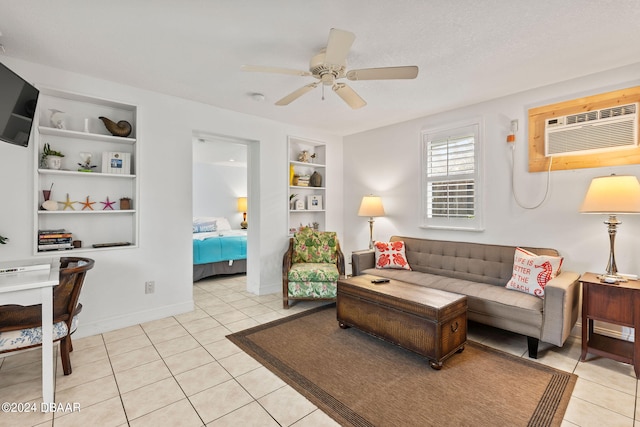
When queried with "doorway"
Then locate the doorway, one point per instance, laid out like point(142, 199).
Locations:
point(222, 175)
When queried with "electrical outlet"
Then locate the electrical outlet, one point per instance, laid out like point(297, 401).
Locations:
point(149, 287)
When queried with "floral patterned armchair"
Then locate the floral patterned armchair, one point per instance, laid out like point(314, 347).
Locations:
point(311, 266)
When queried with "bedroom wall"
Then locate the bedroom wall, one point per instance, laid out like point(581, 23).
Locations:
point(217, 183)
point(113, 296)
point(386, 161)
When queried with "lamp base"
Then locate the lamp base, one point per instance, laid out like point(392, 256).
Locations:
point(370, 232)
point(612, 279)
point(244, 224)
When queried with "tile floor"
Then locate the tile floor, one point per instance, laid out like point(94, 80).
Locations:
point(182, 371)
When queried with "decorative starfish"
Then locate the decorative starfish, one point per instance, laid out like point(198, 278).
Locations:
point(68, 204)
point(87, 204)
point(107, 204)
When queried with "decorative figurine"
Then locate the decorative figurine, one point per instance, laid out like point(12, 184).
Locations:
point(57, 119)
point(306, 157)
point(86, 165)
point(87, 204)
point(68, 204)
point(122, 128)
point(315, 180)
point(108, 204)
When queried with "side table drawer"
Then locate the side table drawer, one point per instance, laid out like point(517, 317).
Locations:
point(610, 304)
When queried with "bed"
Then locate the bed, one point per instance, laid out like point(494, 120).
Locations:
point(217, 249)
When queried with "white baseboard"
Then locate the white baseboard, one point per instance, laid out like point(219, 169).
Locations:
point(113, 323)
point(271, 289)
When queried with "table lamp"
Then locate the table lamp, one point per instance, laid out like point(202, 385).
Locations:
point(371, 206)
point(242, 207)
point(612, 195)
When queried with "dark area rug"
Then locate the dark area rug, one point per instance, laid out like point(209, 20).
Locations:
point(360, 380)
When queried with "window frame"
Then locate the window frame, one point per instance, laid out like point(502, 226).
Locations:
point(453, 131)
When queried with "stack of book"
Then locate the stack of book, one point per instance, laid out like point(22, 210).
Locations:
point(54, 240)
point(303, 180)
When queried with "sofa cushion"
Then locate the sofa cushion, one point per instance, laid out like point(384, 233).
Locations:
point(391, 255)
point(531, 272)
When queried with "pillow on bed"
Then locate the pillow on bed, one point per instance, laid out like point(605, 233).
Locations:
point(204, 224)
point(223, 224)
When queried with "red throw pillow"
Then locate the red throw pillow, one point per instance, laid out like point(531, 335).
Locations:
point(531, 272)
point(391, 255)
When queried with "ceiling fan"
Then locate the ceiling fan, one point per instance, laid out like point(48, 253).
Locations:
point(330, 65)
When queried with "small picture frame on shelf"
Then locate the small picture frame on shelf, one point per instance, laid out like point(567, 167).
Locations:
point(314, 203)
point(299, 206)
point(116, 163)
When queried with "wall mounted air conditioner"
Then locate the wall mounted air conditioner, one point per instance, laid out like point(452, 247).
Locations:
point(591, 132)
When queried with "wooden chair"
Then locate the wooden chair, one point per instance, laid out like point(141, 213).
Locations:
point(311, 266)
point(21, 326)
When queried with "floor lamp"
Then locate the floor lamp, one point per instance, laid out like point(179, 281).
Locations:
point(371, 206)
point(612, 195)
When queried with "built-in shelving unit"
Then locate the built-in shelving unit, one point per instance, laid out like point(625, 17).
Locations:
point(100, 219)
point(307, 203)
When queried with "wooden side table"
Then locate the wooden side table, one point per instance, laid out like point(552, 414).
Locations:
point(618, 304)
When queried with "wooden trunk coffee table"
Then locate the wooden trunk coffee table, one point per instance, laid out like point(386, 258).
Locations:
point(430, 322)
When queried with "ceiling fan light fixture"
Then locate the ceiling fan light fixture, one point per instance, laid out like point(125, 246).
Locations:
point(258, 97)
point(330, 65)
point(328, 79)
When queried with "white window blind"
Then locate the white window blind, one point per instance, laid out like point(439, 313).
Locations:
point(450, 178)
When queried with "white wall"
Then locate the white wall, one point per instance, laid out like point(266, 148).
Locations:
point(217, 184)
point(114, 296)
point(386, 162)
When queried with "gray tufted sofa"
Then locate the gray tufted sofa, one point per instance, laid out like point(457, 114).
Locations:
point(481, 271)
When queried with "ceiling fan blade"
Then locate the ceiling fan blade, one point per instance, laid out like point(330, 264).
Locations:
point(349, 96)
point(338, 46)
point(386, 73)
point(276, 70)
point(297, 94)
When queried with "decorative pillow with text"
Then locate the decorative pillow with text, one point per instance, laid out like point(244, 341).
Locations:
point(531, 272)
point(204, 224)
point(391, 255)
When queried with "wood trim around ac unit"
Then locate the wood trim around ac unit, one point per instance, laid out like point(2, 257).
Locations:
point(537, 116)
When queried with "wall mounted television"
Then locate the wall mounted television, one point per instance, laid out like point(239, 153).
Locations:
point(18, 101)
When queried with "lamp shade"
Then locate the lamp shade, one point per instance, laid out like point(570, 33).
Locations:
point(242, 204)
point(371, 206)
point(614, 194)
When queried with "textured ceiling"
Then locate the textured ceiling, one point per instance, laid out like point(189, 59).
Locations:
point(468, 51)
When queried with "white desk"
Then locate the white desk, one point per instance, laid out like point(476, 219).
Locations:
point(35, 287)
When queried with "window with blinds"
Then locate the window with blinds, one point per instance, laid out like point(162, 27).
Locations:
point(450, 178)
